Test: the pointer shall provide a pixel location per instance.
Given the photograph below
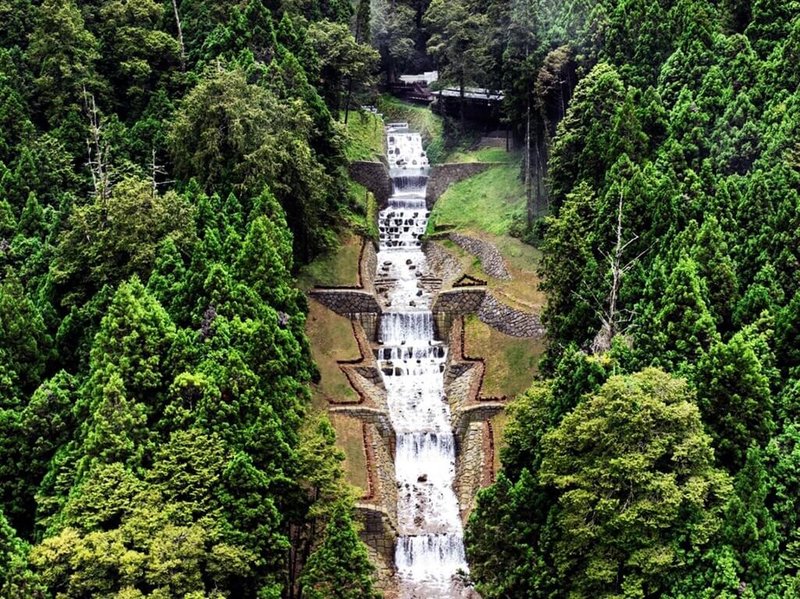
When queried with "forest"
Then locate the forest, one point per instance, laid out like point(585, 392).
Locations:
point(167, 167)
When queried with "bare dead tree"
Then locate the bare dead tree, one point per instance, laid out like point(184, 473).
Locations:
point(97, 150)
point(180, 33)
point(155, 170)
point(614, 321)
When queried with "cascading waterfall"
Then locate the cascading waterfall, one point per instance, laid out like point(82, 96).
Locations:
point(430, 550)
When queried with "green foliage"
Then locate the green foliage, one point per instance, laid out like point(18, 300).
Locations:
point(110, 239)
point(733, 385)
point(629, 544)
point(230, 134)
point(10, 548)
point(155, 439)
point(63, 56)
point(584, 144)
point(24, 339)
point(456, 42)
point(605, 515)
point(340, 567)
point(683, 326)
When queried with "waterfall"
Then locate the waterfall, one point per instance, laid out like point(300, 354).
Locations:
point(430, 550)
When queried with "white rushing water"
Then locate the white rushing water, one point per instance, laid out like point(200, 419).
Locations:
point(430, 550)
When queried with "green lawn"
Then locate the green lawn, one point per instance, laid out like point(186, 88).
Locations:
point(334, 269)
point(484, 155)
point(350, 439)
point(489, 201)
point(331, 338)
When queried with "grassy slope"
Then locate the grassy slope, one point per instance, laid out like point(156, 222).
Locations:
point(331, 339)
point(511, 363)
point(331, 335)
point(334, 269)
point(364, 136)
point(485, 206)
point(487, 202)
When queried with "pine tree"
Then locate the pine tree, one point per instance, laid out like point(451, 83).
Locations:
point(340, 567)
point(568, 256)
point(25, 343)
point(681, 327)
point(583, 148)
point(262, 263)
point(733, 388)
point(750, 528)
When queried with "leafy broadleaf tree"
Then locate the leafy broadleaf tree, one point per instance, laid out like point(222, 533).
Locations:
point(629, 497)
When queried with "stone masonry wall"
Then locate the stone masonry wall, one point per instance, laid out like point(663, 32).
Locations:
point(459, 301)
point(452, 304)
point(346, 302)
point(469, 468)
point(491, 259)
point(383, 452)
point(443, 176)
point(510, 321)
point(368, 265)
point(375, 177)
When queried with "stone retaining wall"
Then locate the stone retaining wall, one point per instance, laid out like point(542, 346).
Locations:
point(481, 412)
point(460, 301)
point(386, 480)
point(491, 259)
point(494, 142)
point(346, 302)
point(375, 177)
point(443, 176)
point(368, 265)
point(454, 303)
point(374, 416)
point(510, 321)
point(379, 536)
point(469, 468)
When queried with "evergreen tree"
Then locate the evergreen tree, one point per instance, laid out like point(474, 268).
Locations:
point(340, 567)
point(63, 54)
point(681, 326)
point(582, 150)
point(751, 529)
point(733, 388)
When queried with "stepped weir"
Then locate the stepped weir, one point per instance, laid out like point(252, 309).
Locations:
point(429, 553)
point(426, 427)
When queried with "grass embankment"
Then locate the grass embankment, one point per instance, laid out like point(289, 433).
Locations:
point(331, 339)
point(489, 201)
point(486, 206)
point(338, 268)
point(419, 118)
point(511, 363)
point(350, 439)
point(330, 335)
point(364, 136)
point(483, 155)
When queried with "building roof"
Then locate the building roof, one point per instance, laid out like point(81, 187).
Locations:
point(426, 77)
point(473, 93)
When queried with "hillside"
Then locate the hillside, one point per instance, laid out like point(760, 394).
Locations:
point(203, 302)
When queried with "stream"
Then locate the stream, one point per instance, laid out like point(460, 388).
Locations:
point(430, 548)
